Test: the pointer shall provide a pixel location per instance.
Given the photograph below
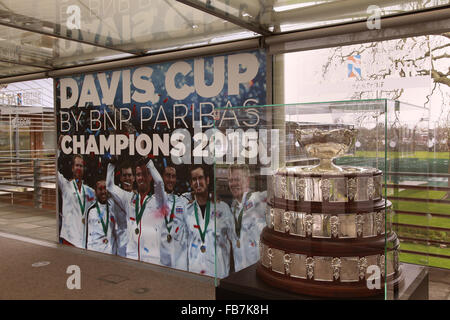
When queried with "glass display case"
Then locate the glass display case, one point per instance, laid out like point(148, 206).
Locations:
point(323, 195)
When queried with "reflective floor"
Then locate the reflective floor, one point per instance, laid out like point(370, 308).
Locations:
point(37, 269)
point(28, 222)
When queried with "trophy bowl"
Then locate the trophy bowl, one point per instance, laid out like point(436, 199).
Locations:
point(326, 144)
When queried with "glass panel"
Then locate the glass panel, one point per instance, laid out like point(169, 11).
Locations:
point(10, 69)
point(46, 52)
point(408, 142)
point(344, 242)
point(128, 26)
point(288, 15)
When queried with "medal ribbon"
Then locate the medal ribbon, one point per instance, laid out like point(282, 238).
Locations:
point(105, 227)
point(202, 233)
point(238, 222)
point(138, 212)
point(171, 216)
point(82, 205)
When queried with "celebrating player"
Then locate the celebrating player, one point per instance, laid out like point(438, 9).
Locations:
point(249, 216)
point(76, 199)
point(145, 212)
point(170, 241)
point(101, 222)
point(127, 179)
point(208, 229)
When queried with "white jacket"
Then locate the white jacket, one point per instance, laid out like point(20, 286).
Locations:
point(253, 222)
point(217, 244)
point(144, 238)
point(73, 216)
point(96, 239)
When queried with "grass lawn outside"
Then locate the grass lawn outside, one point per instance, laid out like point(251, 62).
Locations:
point(437, 162)
point(424, 248)
point(397, 155)
point(424, 260)
point(441, 208)
point(421, 194)
point(439, 222)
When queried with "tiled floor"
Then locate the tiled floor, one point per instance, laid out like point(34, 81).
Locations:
point(28, 221)
point(41, 224)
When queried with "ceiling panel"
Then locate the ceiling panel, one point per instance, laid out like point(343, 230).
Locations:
point(51, 34)
point(278, 16)
point(10, 69)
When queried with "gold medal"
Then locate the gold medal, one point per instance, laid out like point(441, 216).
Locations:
point(238, 243)
point(136, 231)
point(203, 249)
point(169, 238)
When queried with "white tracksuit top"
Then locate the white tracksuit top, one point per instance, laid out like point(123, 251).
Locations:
point(217, 243)
point(72, 226)
point(253, 221)
point(170, 248)
point(121, 229)
point(144, 238)
point(96, 239)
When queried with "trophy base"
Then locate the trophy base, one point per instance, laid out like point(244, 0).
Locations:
point(329, 268)
point(325, 290)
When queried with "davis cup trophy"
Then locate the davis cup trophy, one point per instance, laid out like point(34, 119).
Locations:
point(326, 231)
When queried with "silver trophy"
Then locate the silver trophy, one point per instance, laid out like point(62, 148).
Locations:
point(326, 145)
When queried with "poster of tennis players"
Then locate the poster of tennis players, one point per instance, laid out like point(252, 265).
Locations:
point(157, 162)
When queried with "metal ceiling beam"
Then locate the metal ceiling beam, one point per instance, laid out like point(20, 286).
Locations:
point(31, 24)
point(433, 21)
point(26, 64)
point(135, 61)
point(196, 4)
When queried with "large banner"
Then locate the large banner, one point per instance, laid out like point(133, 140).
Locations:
point(136, 151)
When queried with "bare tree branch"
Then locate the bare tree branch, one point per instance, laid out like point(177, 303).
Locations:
point(441, 77)
point(442, 56)
point(441, 47)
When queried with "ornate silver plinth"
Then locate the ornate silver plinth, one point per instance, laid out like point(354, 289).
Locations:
point(327, 224)
point(351, 185)
point(327, 268)
point(350, 225)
